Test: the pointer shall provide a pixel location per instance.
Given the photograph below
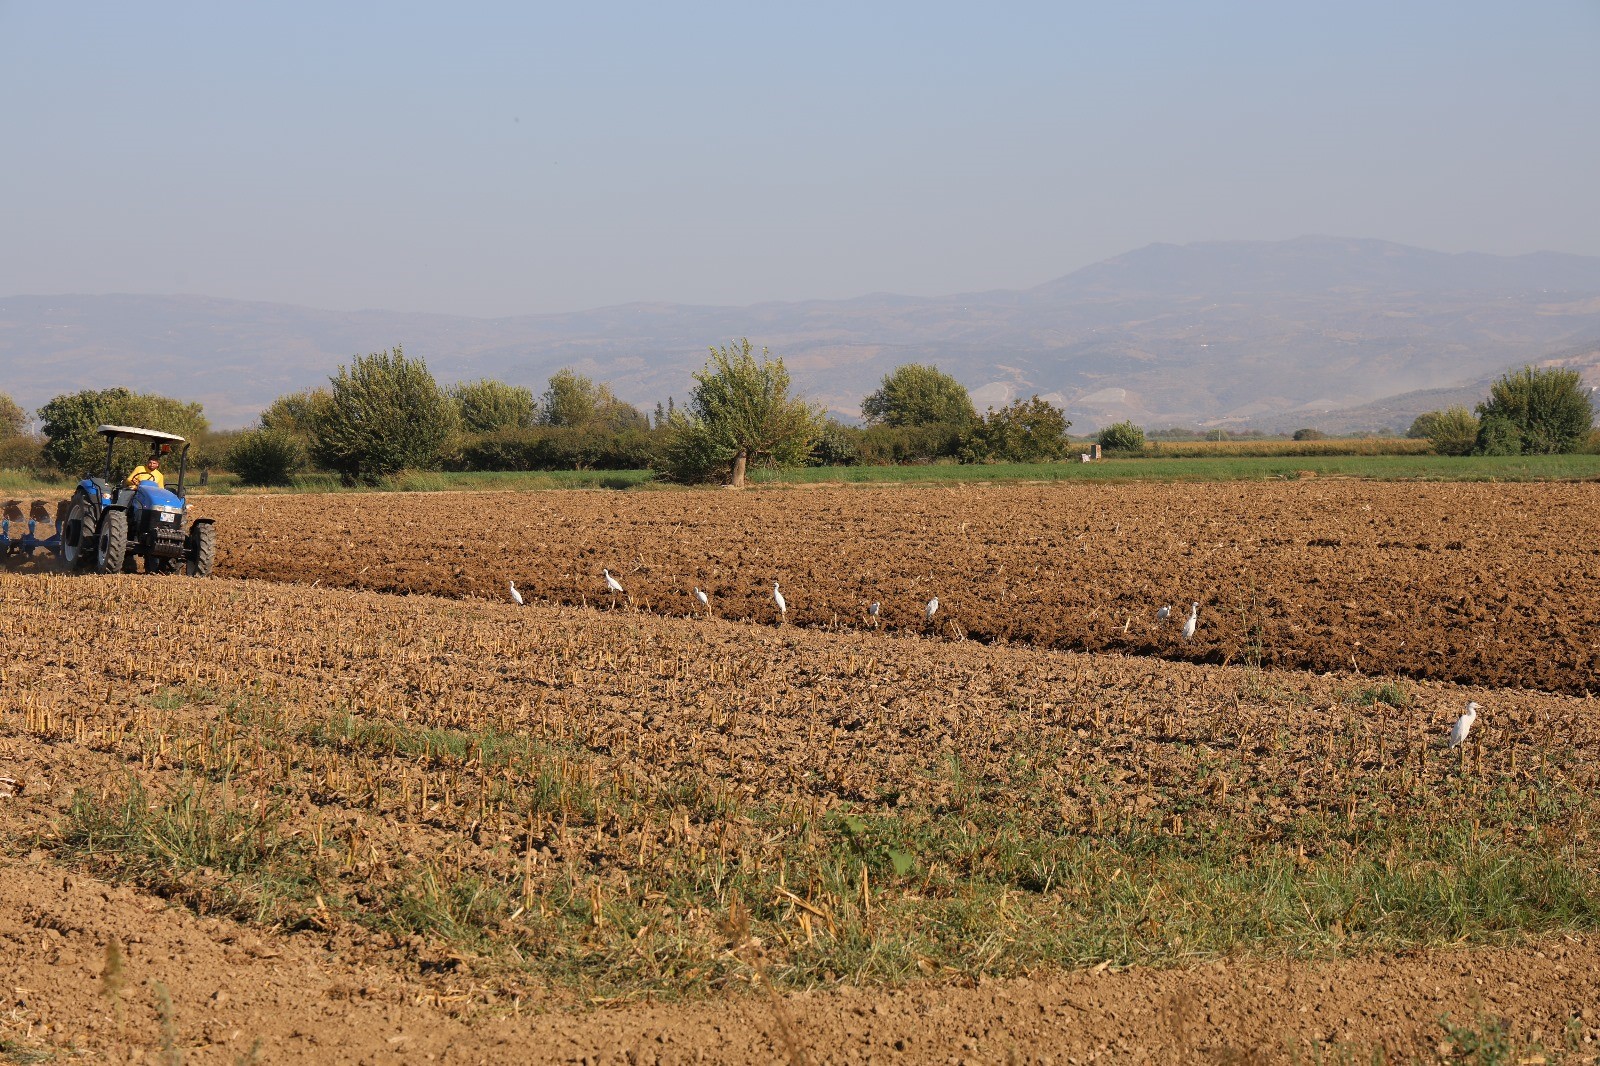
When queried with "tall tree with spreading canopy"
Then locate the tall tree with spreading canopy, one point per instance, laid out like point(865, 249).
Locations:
point(386, 414)
point(739, 413)
point(69, 422)
point(919, 395)
point(1547, 407)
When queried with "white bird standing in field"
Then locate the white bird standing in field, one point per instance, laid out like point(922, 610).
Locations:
point(516, 597)
point(705, 601)
point(1463, 726)
point(931, 610)
point(612, 583)
point(783, 604)
point(1165, 613)
point(1194, 620)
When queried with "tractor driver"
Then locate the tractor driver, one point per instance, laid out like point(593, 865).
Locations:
point(149, 471)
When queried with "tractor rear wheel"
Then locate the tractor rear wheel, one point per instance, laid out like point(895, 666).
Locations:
point(77, 533)
point(113, 542)
point(202, 555)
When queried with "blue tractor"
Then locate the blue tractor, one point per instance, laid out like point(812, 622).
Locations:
point(110, 527)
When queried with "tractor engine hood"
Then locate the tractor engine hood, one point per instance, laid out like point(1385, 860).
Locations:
point(147, 495)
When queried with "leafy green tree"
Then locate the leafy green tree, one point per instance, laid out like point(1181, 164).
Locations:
point(1549, 407)
point(1121, 437)
point(835, 446)
point(266, 456)
point(1309, 434)
point(69, 422)
point(570, 399)
point(13, 419)
point(386, 414)
point(574, 400)
point(1453, 431)
point(487, 406)
point(615, 416)
point(1498, 435)
point(1024, 431)
point(740, 412)
point(919, 395)
point(298, 412)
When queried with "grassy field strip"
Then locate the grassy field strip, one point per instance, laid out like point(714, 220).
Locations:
point(1203, 461)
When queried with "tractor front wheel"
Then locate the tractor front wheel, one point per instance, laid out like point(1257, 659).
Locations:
point(202, 554)
point(113, 542)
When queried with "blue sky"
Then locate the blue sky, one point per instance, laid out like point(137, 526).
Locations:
point(502, 159)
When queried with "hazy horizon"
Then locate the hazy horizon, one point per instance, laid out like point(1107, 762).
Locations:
point(499, 161)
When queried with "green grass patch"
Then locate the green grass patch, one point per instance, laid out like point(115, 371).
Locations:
point(1194, 469)
point(1229, 468)
point(200, 843)
point(538, 857)
point(22, 482)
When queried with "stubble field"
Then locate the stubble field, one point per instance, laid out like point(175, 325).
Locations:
point(465, 817)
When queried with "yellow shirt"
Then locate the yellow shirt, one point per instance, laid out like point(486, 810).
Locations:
point(142, 473)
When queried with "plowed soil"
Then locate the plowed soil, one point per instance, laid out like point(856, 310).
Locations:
point(257, 799)
point(374, 728)
point(1474, 583)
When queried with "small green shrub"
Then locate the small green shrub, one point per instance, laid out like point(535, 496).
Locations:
point(1121, 437)
point(1453, 431)
point(266, 457)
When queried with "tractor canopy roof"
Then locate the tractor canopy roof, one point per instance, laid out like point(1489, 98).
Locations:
point(154, 436)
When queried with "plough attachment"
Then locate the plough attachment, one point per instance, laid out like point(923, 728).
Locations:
point(29, 542)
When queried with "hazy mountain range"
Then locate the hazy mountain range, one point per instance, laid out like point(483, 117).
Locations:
point(1326, 332)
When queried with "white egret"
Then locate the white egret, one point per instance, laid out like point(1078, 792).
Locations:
point(931, 609)
point(1463, 726)
point(1194, 619)
point(783, 604)
point(516, 597)
point(705, 601)
point(1164, 614)
point(612, 583)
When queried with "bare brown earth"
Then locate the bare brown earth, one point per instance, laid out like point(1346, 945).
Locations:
point(299, 999)
point(1474, 583)
point(670, 745)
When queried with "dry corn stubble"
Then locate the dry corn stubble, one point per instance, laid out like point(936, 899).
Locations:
point(627, 803)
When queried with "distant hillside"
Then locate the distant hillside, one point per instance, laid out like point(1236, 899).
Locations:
point(1396, 413)
point(1236, 333)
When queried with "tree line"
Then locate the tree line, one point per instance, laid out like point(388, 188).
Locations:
point(385, 413)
